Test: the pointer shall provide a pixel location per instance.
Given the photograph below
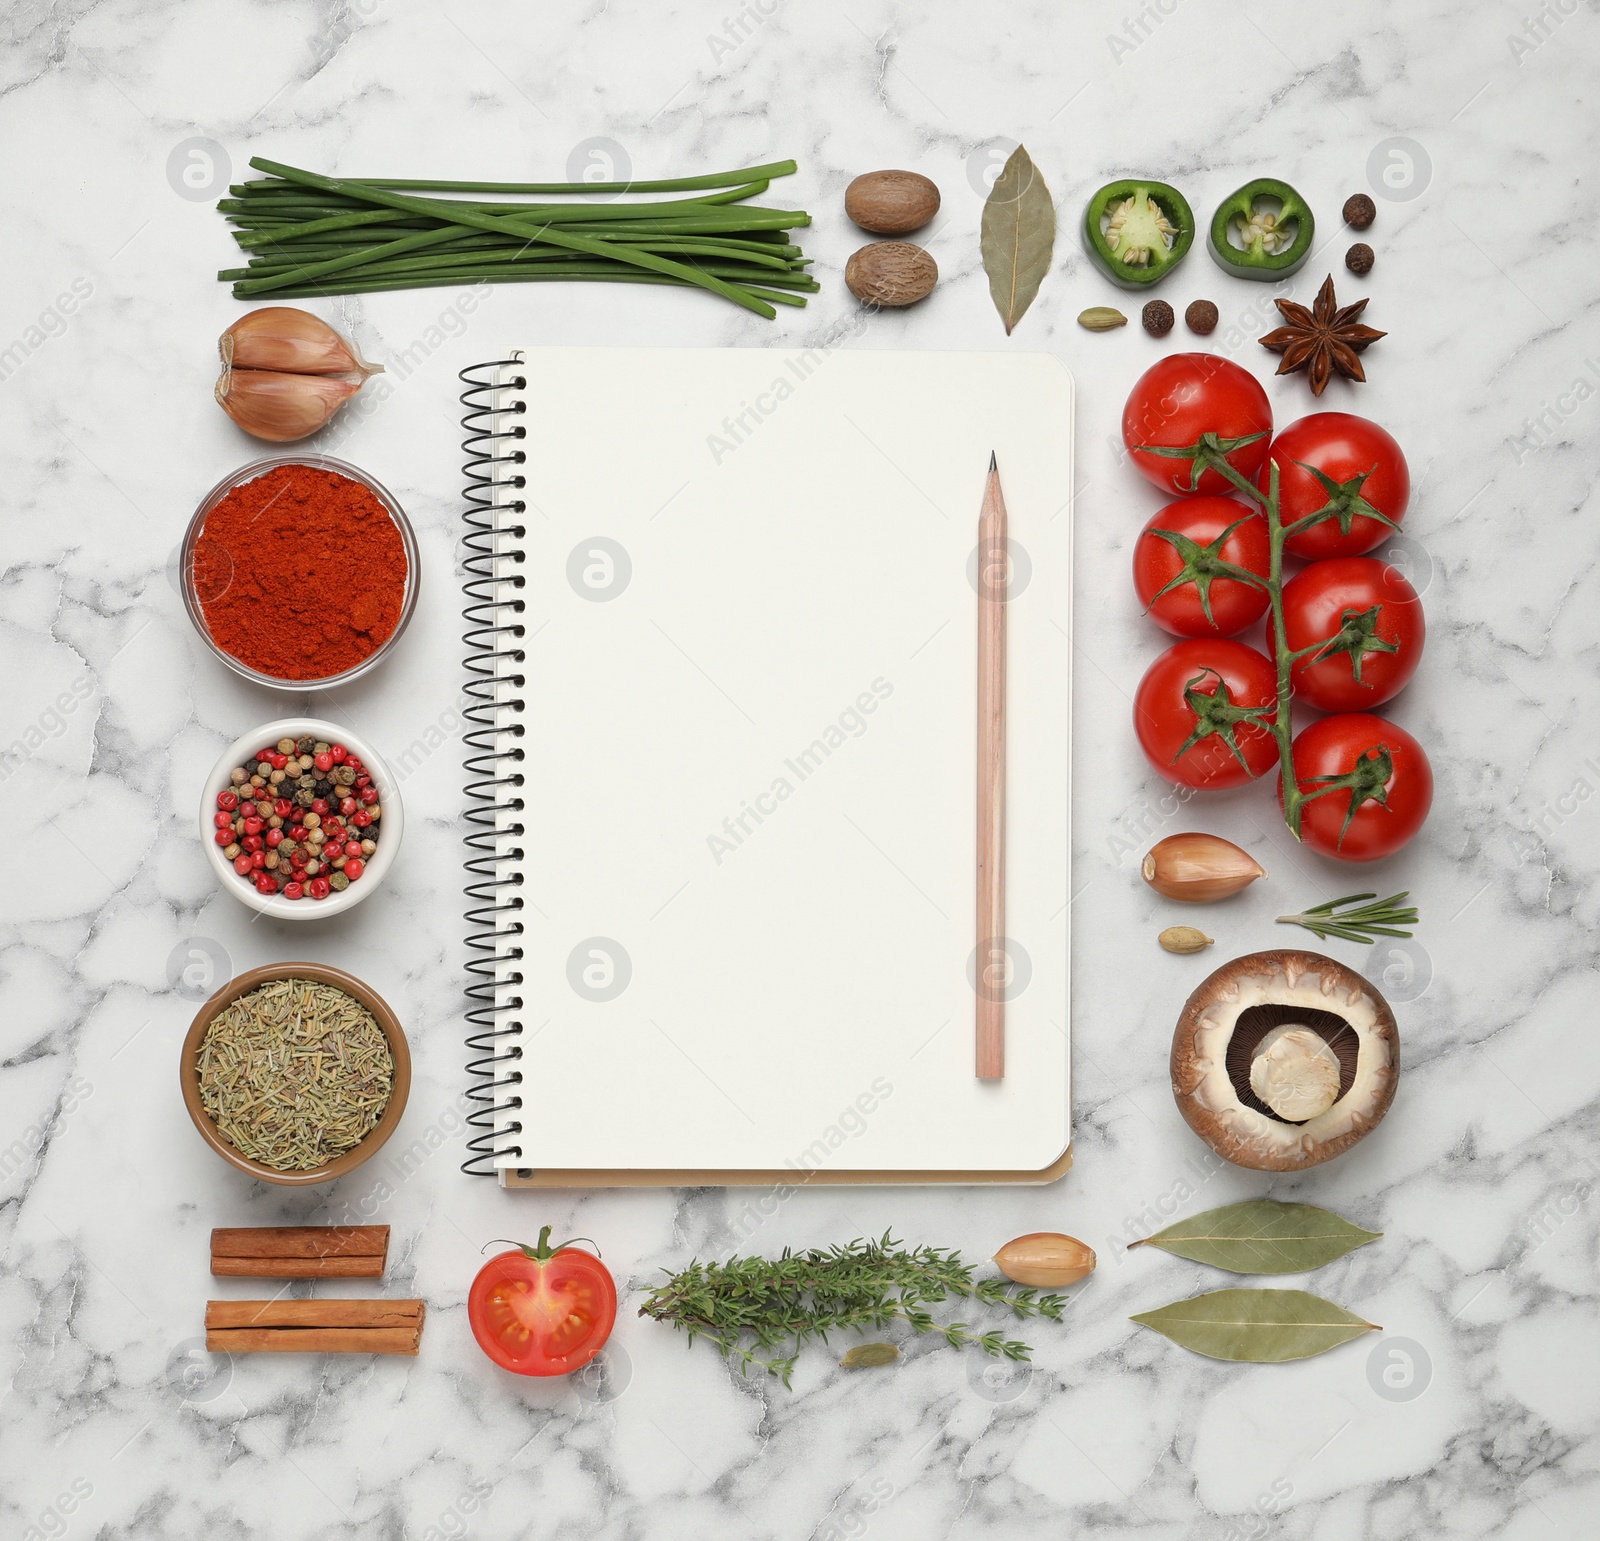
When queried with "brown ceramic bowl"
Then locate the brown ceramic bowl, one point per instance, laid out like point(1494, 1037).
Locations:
point(189, 1074)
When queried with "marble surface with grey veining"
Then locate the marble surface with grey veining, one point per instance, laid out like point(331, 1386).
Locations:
point(1474, 1413)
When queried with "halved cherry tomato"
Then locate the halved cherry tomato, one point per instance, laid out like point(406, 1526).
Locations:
point(542, 1310)
point(1338, 459)
point(1186, 395)
point(1198, 713)
point(1369, 619)
point(1369, 782)
point(1180, 563)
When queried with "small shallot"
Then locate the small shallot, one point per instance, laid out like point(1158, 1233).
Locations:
point(281, 407)
point(285, 372)
point(293, 341)
point(1199, 868)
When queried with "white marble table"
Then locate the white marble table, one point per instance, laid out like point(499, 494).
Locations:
point(1483, 1176)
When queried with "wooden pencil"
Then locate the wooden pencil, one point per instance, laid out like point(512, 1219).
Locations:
point(991, 969)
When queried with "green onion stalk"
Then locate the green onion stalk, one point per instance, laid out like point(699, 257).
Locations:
point(307, 235)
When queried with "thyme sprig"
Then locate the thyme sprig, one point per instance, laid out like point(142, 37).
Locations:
point(1362, 924)
point(754, 1307)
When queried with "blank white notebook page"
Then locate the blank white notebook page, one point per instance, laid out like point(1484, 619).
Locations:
point(748, 727)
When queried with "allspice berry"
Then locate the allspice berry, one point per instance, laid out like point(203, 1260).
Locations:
point(1201, 317)
point(1359, 258)
point(1157, 317)
point(1359, 211)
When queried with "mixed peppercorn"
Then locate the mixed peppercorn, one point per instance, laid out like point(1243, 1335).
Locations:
point(300, 819)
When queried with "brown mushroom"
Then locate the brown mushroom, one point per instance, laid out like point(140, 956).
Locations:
point(1284, 1060)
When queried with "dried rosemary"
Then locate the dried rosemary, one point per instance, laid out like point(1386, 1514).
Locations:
point(295, 1073)
point(783, 1301)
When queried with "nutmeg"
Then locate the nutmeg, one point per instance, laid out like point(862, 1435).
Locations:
point(891, 273)
point(891, 202)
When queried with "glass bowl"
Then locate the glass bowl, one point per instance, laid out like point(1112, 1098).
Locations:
point(248, 473)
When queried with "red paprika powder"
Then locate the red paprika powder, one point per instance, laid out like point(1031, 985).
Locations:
point(300, 573)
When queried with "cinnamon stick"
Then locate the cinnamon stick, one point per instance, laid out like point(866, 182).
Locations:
point(313, 1340)
point(300, 1251)
point(315, 1326)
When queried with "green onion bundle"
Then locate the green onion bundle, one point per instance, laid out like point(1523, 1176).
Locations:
point(308, 235)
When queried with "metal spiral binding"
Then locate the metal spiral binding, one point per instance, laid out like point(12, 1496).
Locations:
point(490, 642)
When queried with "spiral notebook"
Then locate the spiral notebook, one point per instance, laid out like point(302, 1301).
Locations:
point(721, 627)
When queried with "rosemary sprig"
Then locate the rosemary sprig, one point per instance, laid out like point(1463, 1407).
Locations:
point(1384, 918)
point(752, 1307)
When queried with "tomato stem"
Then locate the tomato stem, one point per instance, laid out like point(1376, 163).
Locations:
point(543, 1251)
point(1207, 453)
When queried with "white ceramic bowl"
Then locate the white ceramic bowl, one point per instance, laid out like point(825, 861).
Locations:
point(388, 799)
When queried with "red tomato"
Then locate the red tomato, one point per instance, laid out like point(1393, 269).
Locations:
point(1387, 790)
point(1362, 471)
point(1189, 714)
point(1183, 396)
point(542, 1310)
point(1371, 618)
point(1176, 571)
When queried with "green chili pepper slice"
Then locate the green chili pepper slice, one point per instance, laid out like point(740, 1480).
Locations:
point(1273, 226)
point(1137, 231)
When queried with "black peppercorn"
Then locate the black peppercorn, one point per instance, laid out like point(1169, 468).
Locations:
point(1359, 258)
point(1157, 317)
point(1359, 211)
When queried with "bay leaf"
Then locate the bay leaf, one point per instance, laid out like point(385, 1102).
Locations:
point(1262, 1236)
point(1017, 236)
point(869, 1355)
point(1256, 1326)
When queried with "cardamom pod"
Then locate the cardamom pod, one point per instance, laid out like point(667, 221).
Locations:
point(1101, 318)
point(865, 1356)
point(1184, 939)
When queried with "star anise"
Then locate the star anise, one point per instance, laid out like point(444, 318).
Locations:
point(1322, 340)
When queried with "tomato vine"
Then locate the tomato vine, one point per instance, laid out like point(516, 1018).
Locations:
point(1366, 782)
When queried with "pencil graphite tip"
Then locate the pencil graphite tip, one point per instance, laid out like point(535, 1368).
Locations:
point(993, 463)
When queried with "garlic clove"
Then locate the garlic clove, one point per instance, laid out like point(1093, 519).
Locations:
point(1045, 1259)
point(292, 341)
point(1295, 1073)
point(281, 407)
point(1197, 868)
